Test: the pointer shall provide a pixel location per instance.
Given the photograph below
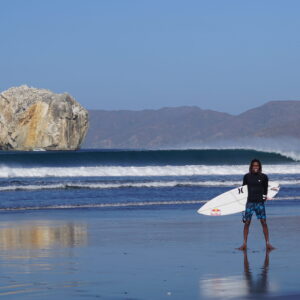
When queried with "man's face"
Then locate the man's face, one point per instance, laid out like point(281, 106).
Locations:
point(255, 167)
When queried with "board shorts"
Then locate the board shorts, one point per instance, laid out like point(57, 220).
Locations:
point(258, 208)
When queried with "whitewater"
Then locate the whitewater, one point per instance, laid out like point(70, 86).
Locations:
point(168, 170)
point(123, 185)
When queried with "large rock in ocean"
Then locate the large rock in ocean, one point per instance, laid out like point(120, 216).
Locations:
point(33, 118)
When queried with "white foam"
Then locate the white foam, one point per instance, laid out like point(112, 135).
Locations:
point(286, 198)
point(31, 187)
point(108, 205)
point(149, 184)
point(169, 170)
point(127, 204)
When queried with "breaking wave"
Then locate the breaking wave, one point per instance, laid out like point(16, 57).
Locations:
point(143, 157)
point(121, 171)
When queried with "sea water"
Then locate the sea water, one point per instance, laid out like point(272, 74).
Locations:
point(134, 178)
point(122, 224)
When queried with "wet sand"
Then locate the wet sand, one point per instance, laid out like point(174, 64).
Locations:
point(166, 253)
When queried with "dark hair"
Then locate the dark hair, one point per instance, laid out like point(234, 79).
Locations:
point(255, 160)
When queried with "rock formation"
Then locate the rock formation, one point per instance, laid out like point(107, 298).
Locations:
point(33, 118)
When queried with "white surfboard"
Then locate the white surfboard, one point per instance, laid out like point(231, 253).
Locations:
point(233, 201)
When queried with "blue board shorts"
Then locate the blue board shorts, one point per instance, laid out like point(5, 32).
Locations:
point(258, 208)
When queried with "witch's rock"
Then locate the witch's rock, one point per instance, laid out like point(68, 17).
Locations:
point(33, 118)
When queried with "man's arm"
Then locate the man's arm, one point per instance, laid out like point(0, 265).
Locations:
point(245, 180)
point(266, 184)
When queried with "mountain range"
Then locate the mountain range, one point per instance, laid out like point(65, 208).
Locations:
point(188, 126)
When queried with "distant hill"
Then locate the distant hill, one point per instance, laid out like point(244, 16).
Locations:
point(189, 125)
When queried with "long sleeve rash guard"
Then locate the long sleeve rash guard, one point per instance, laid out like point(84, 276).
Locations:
point(257, 186)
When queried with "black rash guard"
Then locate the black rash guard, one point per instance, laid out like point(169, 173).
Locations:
point(257, 186)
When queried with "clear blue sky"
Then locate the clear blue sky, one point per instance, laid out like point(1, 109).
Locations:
point(222, 55)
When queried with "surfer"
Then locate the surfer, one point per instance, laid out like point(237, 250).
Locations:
point(257, 183)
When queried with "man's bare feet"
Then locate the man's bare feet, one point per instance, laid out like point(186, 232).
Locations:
point(243, 247)
point(269, 247)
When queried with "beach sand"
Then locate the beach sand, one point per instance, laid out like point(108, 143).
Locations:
point(165, 253)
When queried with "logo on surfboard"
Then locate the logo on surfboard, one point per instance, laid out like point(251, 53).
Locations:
point(215, 212)
point(275, 189)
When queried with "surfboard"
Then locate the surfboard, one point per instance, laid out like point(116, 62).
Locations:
point(233, 201)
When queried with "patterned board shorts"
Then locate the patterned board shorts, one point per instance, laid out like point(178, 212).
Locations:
point(258, 208)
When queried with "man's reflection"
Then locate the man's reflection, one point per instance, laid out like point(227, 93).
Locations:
point(260, 285)
point(238, 286)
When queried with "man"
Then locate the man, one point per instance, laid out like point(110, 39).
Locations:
point(257, 183)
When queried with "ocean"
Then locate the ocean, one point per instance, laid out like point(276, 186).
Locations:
point(122, 224)
point(150, 179)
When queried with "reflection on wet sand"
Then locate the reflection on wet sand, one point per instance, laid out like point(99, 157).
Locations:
point(259, 286)
point(238, 286)
point(41, 235)
point(35, 247)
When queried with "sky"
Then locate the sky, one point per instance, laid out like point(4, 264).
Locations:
point(228, 55)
